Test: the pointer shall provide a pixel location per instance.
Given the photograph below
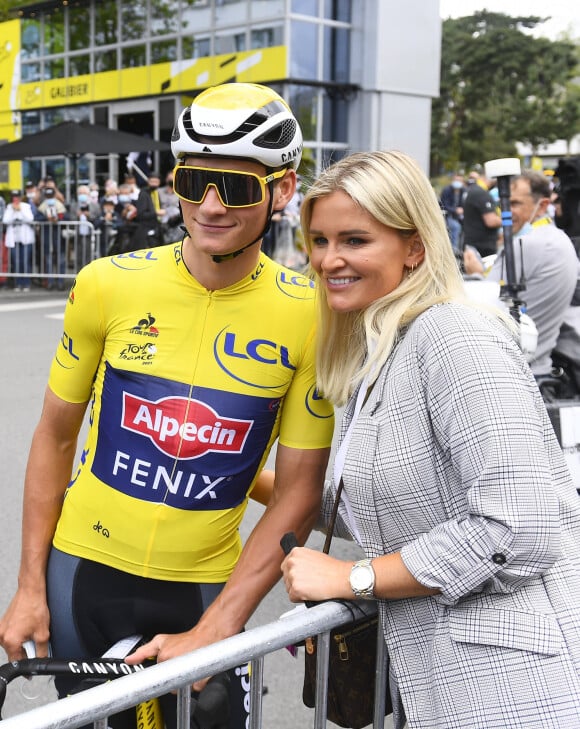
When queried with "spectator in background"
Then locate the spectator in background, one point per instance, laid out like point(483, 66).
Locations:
point(31, 194)
point(481, 220)
point(127, 211)
point(94, 193)
point(548, 259)
point(111, 191)
point(49, 183)
point(84, 210)
point(148, 232)
point(452, 203)
point(171, 219)
point(50, 212)
point(18, 219)
point(108, 223)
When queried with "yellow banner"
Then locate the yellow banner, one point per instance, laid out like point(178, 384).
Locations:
point(256, 66)
point(9, 80)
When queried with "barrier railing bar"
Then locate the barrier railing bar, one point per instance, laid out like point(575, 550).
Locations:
point(123, 693)
point(183, 706)
point(256, 692)
point(380, 680)
point(321, 694)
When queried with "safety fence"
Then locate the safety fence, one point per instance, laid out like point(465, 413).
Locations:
point(49, 254)
point(96, 704)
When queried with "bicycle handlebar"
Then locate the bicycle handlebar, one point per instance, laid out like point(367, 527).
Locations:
point(98, 669)
point(212, 703)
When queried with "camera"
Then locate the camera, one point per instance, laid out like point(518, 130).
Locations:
point(84, 207)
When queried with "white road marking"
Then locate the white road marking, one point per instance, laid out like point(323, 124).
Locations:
point(24, 305)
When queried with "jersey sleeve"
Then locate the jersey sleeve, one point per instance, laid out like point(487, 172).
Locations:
point(307, 418)
point(80, 349)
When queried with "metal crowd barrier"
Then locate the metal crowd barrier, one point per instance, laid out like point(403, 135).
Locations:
point(96, 704)
point(59, 251)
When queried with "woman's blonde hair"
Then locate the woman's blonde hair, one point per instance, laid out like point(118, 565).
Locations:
point(392, 188)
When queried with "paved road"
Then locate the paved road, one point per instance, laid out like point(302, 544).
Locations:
point(30, 326)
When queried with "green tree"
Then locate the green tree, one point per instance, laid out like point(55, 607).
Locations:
point(568, 119)
point(499, 84)
point(8, 8)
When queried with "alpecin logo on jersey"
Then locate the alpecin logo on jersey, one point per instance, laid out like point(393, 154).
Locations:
point(183, 428)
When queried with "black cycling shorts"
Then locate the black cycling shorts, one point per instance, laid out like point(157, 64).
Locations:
point(93, 606)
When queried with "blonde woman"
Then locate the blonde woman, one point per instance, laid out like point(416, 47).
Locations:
point(454, 483)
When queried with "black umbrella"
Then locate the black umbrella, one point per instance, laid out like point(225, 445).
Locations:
point(74, 139)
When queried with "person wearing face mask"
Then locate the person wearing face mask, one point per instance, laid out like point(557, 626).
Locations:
point(452, 203)
point(86, 211)
point(481, 221)
point(548, 260)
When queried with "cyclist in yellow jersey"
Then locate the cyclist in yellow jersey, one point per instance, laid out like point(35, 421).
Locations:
point(189, 360)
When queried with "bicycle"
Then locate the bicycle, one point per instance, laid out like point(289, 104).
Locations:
point(209, 710)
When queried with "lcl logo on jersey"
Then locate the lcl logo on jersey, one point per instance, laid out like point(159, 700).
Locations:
point(241, 358)
point(183, 428)
point(295, 285)
point(317, 405)
point(135, 261)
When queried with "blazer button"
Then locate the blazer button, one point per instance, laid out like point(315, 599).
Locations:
point(498, 558)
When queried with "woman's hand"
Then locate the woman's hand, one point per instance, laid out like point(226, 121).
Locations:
point(312, 575)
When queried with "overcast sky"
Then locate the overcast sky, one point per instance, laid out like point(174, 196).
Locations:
point(565, 14)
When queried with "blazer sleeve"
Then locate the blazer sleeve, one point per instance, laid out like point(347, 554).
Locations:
point(490, 431)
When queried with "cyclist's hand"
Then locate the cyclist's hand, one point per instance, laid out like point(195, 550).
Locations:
point(27, 618)
point(163, 647)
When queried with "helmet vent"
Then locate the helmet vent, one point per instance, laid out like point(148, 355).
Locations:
point(279, 137)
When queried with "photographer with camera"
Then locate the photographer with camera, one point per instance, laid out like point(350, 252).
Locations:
point(53, 250)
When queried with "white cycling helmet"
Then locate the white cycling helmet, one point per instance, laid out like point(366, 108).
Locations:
point(242, 120)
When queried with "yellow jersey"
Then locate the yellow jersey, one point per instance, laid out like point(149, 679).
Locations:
point(188, 390)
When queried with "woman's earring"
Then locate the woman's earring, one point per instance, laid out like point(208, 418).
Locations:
point(411, 271)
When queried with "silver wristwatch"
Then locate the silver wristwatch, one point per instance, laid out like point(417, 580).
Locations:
point(362, 578)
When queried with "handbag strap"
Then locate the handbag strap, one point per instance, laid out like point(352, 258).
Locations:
point(361, 400)
point(333, 516)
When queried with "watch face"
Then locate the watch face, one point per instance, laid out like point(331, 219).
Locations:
point(361, 578)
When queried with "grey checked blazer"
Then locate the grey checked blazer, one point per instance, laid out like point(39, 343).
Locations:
point(454, 463)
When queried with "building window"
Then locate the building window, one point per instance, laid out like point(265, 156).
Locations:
point(266, 37)
point(164, 17)
point(79, 21)
point(53, 33)
point(305, 7)
point(105, 23)
point(133, 21)
point(336, 55)
point(303, 102)
point(30, 122)
point(30, 39)
point(232, 43)
point(304, 50)
point(164, 51)
point(79, 65)
point(54, 68)
point(335, 116)
point(134, 56)
point(105, 61)
point(338, 10)
point(30, 72)
point(195, 48)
